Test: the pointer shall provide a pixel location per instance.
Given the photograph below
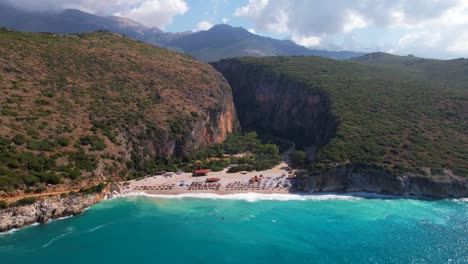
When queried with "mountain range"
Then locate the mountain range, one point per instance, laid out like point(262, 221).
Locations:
point(221, 41)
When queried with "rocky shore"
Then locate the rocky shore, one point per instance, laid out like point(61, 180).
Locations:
point(46, 209)
point(377, 181)
point(340, 180)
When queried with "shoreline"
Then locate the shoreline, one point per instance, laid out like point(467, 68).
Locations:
point(259, 196)
point(276, 184)
point(47, 209)
point(245, 196)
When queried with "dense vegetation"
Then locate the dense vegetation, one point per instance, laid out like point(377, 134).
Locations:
point(21, 202)
point(255, 154)
point(388, 119)
point(447, 72)
point(82, 108)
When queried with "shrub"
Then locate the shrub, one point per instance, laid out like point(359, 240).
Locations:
point(240, 168)
point(216, 168)
point(19, 139)
point(82, 160)
point(94, 189)
point(24, 201)
point(96, 142)
point(298, 159)
point(63, 141)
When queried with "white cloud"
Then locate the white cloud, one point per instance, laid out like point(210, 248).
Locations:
point(251, 30)
point(426, 27)
point(154, 13)
point(157, 13)
point(307, 41)
point(460, 45)
point(203, 25)
point(445, 36)
point(354, 21)
point(225, 20)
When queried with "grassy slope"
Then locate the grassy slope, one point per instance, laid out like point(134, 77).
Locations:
point(82, 104)
point(388, 118)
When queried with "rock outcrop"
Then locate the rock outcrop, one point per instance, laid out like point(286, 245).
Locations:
point(45, 209)
point(269, 102)
point(377, 181)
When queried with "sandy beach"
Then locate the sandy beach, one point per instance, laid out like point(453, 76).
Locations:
point(275, 180)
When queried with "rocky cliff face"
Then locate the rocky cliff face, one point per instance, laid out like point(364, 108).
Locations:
point(186, 134)
point(270, 102)
point(106, 104)
point(45, 209)
point(377, 181)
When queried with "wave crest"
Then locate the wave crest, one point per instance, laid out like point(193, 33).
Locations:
point(253, 197)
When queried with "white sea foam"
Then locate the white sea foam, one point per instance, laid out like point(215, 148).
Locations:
point(96, 228)
point(460, 200)
point(253, 197)
point(64, 217)
point(56, 238)
point(11, 231)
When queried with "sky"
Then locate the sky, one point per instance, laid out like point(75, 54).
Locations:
point(425, 28)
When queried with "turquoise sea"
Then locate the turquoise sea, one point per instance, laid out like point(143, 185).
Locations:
point(247, 229)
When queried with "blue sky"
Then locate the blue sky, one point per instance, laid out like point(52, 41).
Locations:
point(213, 11)
point(426, 28)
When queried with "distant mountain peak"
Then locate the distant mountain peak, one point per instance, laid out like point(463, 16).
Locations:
point(220, 41)
point(127, 22)
point(226, 27)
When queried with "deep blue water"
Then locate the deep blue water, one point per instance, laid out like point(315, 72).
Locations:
point(156, 230)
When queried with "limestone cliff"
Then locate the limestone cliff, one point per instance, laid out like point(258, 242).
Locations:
point(269, 102)
point(101, 104)
point(378, 181)
point(45, 209)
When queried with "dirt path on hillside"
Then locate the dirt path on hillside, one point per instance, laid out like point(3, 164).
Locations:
point(15, 198)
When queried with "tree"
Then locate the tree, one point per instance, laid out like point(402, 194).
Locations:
point(298, 159)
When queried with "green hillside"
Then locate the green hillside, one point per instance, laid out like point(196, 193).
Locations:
point(89, 107)
point(396, 120)
point(450, 72)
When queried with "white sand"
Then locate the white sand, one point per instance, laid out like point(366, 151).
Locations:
point(273, 181)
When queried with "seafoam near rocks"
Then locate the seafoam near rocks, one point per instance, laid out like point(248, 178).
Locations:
point(45, 209)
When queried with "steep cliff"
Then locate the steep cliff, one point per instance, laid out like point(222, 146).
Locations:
point(270, 102)
point(377, 130)
point(379, 181)
point(99, 105)
point(46, 209)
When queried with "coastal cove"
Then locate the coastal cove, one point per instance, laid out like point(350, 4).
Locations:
point(250, 228)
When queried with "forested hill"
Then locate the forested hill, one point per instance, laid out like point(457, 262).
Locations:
point(398, 121)
point(90, 107)
point(450, 72)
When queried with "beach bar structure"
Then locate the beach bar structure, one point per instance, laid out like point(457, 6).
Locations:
point(255, 179)
point(211, 180)
point(201, 172)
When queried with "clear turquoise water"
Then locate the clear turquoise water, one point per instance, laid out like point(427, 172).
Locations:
point(154, 230)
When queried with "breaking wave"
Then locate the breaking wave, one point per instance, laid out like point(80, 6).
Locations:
point(253, 197)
